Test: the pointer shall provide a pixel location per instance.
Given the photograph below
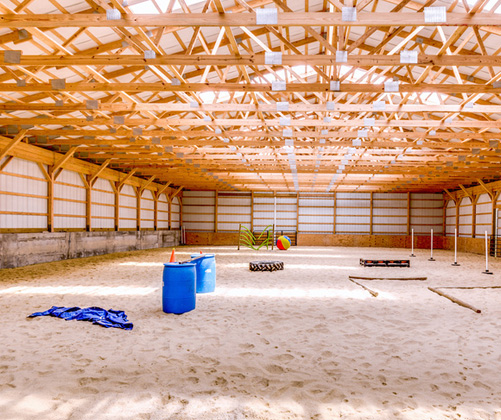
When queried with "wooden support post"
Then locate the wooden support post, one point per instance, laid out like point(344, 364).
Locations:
point(180, 201)
point(371, 203)
point(458, 203)
point(50, 196)
point(215, 210)
point(297, 215)
point(474, 215)
point(444, 216)
point(50, 202)
point(116, 206)
point(139, 192)
point(252, 212)
point(494, 221)
point(169, 201)
point(239, 235)
point(334, 216)
point(156, 196)
point(88, 201)
point(409, 213)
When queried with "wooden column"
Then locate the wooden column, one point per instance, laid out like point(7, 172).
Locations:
point(494, 198)
point(215, 210)
point(458, 202)
point(50, 195)
point(252, 212)
point(155, 209)
point(409, 213)
point(116, 192)
point(371, 213)
point(139, 192)
point(474, 215)
point(334, 216)
point(50, 202)
point(297, 214)
point(169, 201)
point(88, 204)
point(444, 216)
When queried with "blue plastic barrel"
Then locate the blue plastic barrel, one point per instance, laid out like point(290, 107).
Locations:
point(206, 272)
point(178, 293)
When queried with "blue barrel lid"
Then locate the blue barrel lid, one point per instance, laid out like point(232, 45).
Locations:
point(178, 265)
point(202, 255)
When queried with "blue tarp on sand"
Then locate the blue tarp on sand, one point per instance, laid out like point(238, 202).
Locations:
point(109, 318)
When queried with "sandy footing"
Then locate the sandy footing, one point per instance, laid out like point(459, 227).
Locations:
point(303, 343)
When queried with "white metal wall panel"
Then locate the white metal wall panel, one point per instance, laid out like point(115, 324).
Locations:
point(23, 177)
point(286, 213)
point(483, 214)
point(69, 201)
point(465, 217)
point(175, 214)
point(233, 209)
point(427, 213)
point(198, 210)
point(353, 213)
point(316, 214)
point(147, 210)
point(127, 208)
point(316, 220)
point(103, 205)
point(389, 214)
point(163, 212)
point(264, 206)
point(450, 218)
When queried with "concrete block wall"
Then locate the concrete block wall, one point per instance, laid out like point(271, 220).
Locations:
point(20, 249)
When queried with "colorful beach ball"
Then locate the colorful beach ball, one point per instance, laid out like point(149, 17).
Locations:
point(283, 243)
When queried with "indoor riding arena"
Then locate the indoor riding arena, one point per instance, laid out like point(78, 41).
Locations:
point(250, 210)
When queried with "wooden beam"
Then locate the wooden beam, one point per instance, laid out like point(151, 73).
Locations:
point(248, 107)
point(56, 169)
point(131, 88)
point(6, 162)
point(12, 144)
point(182, 20)
point(127, 178)
point(254, 122)
point(176, 192)
point(148, 182)
point(220, 60)
point(162, 189)
point(450, 195)
point(484, 187)
point(94, 177)
point(468, 194)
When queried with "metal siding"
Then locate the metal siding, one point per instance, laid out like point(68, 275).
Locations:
point(427, 213)
point(163, 212)
point(233, 210)
point(483, 215)
point(147, 210)
point(69, 201)
point(175, 213)
point(450, 218)
point(465, 217)
point(127, 208)
point(37, 203)
point(102, 205)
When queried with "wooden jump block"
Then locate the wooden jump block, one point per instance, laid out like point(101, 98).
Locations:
point(385, 263)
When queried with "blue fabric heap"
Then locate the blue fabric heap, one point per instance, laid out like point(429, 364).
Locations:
point(109, 318)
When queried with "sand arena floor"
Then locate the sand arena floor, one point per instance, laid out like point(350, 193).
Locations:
point(303, 343)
